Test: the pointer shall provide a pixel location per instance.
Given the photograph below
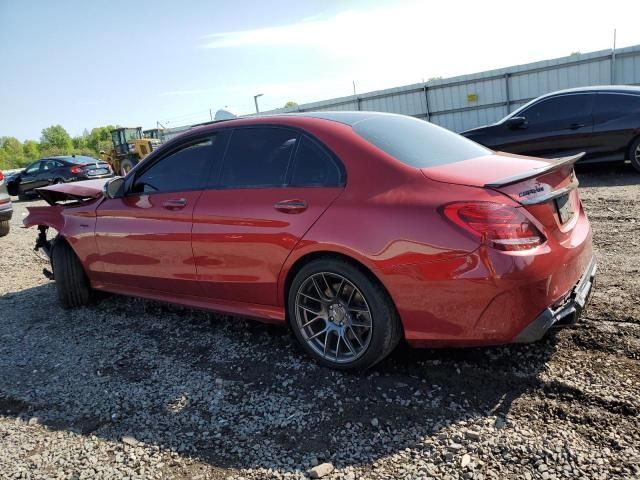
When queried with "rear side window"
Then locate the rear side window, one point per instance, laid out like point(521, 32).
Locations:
point(258, 157)
point(416, 142)
point(182, 170)
point(314, 167)
point(611, 105)
point(560, 109)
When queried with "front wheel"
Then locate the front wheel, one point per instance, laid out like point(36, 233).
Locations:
point(342, 317)
point(126, 165)
point(5, 226)
point(634, 154)
point(72, 283)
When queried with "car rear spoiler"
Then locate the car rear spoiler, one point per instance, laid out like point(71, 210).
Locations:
point(555, 164)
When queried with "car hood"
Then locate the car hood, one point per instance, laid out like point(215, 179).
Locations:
point(481, 128)
point(73, 192)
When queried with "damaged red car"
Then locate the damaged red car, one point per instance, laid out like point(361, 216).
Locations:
point(356, 229)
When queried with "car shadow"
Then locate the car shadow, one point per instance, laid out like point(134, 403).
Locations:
point(614, 174)
point(240, 394)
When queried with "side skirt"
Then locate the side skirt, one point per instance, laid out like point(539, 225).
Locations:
point(263, 313)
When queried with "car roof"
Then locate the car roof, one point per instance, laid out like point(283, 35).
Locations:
point(345, 117)
point(629, 89)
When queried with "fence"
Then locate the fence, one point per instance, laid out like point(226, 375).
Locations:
point(467, 101)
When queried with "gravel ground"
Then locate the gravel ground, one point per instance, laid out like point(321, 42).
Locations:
point(137, 389)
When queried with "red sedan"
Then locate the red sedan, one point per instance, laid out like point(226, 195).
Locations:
point(355, 228)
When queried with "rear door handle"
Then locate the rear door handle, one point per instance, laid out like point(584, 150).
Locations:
point(291, 206)
point(575, 126)
point(175, 203)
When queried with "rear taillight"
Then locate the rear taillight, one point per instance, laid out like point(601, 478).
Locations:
point(78, 168)
point(500, 226)
point(1, 176)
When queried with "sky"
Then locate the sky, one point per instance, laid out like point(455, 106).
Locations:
point(84, 64)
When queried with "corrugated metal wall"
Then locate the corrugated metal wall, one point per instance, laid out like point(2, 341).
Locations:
point(498, 92)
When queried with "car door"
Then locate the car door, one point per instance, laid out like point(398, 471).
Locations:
point(48, 173)
point(274, 184)
point(144, 237)
point(29, 177)
point(616, 118)
point(554, 126)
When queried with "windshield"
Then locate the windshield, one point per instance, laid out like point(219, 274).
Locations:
point(416, 142)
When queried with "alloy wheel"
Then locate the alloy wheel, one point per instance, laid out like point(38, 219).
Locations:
point(333, 317)
point(636, 154)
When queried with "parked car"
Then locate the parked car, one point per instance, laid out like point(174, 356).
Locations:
point(604, 122)
point(6, 210)
point(355, 228)
point(52, 170)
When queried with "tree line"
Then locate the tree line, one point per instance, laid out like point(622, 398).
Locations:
point(54, 141)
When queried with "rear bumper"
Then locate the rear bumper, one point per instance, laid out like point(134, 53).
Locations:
point(564, 314)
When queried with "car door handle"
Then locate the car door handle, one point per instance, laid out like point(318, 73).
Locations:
point(175, 203)
point(291, 206)
point(575, 126)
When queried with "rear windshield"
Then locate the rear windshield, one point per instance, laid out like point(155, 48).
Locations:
point(80, 159)
point(416, 142)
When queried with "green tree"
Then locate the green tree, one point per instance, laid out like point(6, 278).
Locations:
point(79, 143)
point(56, 139)
point(12, 155)
point(31, 150)
point(100, 138)
point(290, 104)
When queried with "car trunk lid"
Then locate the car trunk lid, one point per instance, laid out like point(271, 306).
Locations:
point(546, 188)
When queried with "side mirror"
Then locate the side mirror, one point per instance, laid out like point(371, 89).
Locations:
point(517, 122)
point(114, 188)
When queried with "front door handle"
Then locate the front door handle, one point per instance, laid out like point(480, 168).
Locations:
point(575, 126)
point(291, 206)
point(175, 203)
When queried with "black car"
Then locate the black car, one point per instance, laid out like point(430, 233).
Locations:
point(604, 122)
point(48, 171)
point(6, 210)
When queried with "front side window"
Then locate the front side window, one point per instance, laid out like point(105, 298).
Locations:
point(416, 142)
point(313, 166)
point(559, 109)
point(258, 157)
point(182, 170)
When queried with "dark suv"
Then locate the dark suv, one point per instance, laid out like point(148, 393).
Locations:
point(604, 122)
point(48, 171)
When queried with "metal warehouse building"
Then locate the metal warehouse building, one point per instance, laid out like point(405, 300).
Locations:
point(467, 101)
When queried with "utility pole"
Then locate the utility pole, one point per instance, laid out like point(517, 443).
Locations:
point(354, 87)
point(210, 115)
point(255, 100)
point(613, 59)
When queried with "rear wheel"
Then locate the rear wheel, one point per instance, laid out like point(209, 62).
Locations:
point(72, 283)
point(634, 154)
point(341, 317)
point(5, 226)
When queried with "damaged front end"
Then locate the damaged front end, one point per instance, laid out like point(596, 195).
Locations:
point(71, 212)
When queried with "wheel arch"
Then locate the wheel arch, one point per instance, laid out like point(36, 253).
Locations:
point(295, 265)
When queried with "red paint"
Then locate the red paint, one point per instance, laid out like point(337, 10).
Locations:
point(231, 250)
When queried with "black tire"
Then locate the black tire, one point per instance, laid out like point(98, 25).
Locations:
point(126, 165)
point(23, 197)
point(634, 154)
point(385, 330)
point(57, 181)
point(5, 226)
point(71, 281)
